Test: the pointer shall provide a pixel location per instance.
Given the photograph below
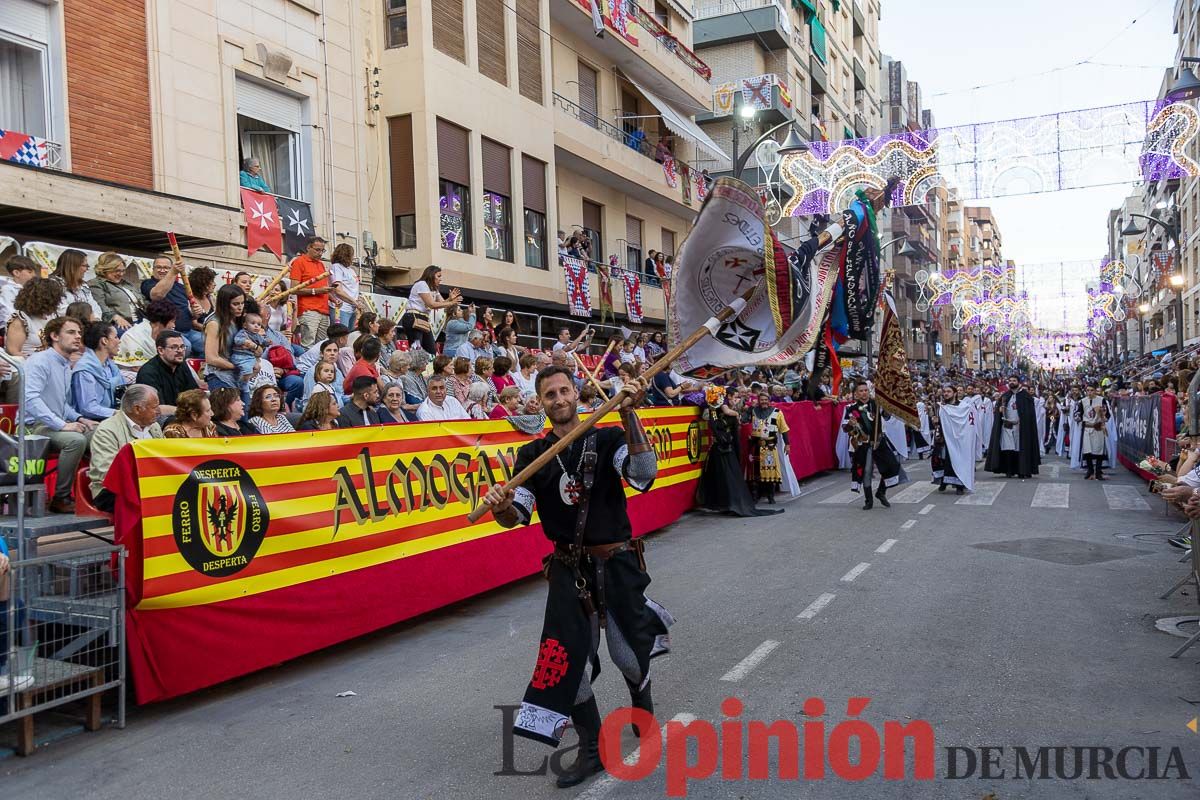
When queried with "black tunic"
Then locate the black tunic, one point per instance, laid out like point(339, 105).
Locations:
point(722, 486)
point(1029, 451)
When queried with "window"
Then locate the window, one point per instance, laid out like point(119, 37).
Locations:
point(489, 28)
point(454, 171)
point(529, 50)
point(404, 201)
point(668, 242)
point(396, 12)
point(662, 15)
point(533, 191)
point(589, 95)
point(497, 201)
point(269, 130)
point(593, 228)
point(633, 244)
point(24, 88)
point(449, 35)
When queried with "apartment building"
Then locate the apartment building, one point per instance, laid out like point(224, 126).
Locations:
point(140, 111)
point(1184, 195)
point(1130, 337)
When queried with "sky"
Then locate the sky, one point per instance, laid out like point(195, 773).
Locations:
point(949, 46)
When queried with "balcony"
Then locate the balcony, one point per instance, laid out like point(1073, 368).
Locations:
point(860, 76)
point(645, 51)
point(860, 21)
point(861, 129)
point(781, 107)
point(599, 150)
point(765, 21)
point(819, 78)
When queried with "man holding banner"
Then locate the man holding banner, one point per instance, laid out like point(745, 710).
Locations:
point(597, 572)
point(866, 437)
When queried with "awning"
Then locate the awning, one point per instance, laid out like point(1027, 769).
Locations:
point(810, 5)
point(680, 124)
point(818, 38)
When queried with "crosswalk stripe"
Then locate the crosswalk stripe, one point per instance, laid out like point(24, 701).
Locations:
point(1052, 495)
point(1054, 468)
point(841, 498)
point(914, 494)
point(985, 494)
point(1124, 498)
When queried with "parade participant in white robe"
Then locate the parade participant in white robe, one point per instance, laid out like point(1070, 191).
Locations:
point(842, 446)
point(1092, 412)
point(924, 444)
point(1039, 409)
point(1076, 432)
point(893, 429)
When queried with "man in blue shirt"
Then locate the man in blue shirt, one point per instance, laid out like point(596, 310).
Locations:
point(165, 285)
point(47, 409)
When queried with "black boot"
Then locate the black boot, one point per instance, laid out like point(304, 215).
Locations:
point(640, 699)
point(881, 496)
point(959, 489)
point(868, 501)
point(942, 488)
point(586, 720)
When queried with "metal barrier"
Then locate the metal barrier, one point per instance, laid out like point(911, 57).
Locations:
point(19, 443)
point(62, 636)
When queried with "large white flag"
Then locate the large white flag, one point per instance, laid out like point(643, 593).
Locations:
point(959, 431)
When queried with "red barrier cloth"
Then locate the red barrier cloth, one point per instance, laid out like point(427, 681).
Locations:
point(812, 436)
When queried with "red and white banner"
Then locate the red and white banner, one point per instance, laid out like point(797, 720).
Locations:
point(633, 295)
point(263, 228)
point(669, 170)
point(579, 293)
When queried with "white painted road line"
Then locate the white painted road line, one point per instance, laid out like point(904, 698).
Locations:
point(751, 661)
point(1052, 495)
point(854, 573)
point(883, 548)
point(1124, 498)
point(986, 493)
point(841, 498)
point(914, 494)
point(815, 606)
point(1054, 468)
point(605, 783)
point(927, 509)
point(908, 524)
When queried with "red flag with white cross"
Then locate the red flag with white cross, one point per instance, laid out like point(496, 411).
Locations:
point(262, 223)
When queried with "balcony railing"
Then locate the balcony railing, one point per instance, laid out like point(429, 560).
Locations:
point(649, 279)
point(723, 7)
point(681, 51)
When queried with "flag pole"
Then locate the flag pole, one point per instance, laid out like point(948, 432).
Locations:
point(709, 328)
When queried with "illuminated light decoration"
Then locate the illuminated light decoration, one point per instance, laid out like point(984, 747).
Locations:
point(1053, 350)
point(1069, 150)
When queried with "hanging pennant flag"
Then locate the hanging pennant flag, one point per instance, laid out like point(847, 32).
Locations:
point(604, 273)
point(263, 228)
point(296, 218)
point(756, 91)
point(579, 298)
point(702, 180)
point(893, 382)
point(633, 295)
point(668, 166)
point(618, 15)
point(21, 148)
point(597, 19)
point(723, 98)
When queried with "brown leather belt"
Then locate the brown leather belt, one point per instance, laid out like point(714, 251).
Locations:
point(602, 551)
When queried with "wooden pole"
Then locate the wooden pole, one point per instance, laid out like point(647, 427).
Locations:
point(187, 286)
point(591, 373)
point(271, 286)
point(276, 298)
point(707, 329)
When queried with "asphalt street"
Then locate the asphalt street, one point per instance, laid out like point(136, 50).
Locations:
point(1021, 616)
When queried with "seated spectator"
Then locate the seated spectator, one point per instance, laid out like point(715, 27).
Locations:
point(329, 354)
point(664, 391)
point(589, 399)
point(501, 379)
point(247, 351)
point(137, 419)
point(325, 381)
point(367, 364)
point(478, 405)
point(337, 334)
point(414, 380)
point(69, 271)
point(525, 377)
point(510, 401)
point(368, 325)
point(287, 377)
point(167, 372)
point(392, 370)
point(474, 348)
point(140, 343)
point(80, 312)
point(387, 339)
point(443, 365)
point(251, 176)
point(483, 371)
point(229, 412)
point(193, 417)
point(119, 300)
point(461, 322)
point(360, 411)
point(204, 284)
point(47, 409)
point(266, 411)
point(320, 414)
point(21, 270)
point(95, 378)
point(36, 304)
point(392, 410)
point(458, 384)
point(438, 405)
point(167, 285)
point(625, 374)
point(244, 281)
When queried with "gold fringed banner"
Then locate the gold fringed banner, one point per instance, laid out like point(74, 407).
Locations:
point(893, 382)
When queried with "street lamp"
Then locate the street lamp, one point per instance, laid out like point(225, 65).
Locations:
point(1172, 228)
point(794, 143)
point(1186, 86)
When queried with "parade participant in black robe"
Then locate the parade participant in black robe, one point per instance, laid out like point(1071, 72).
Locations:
point(939, 461)
point(722, 486)
point(597, 572)
point(862, 417)
point(1014, 448)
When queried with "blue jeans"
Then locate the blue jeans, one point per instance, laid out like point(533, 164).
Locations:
point(217, 382)
point(195, 343)
point(293, 388)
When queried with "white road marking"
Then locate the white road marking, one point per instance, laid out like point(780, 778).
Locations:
point(914, 494)
point(1052, 495)
point(605, 783)
point(908, 524)
point(883, 548)
point(1124, 498)
point(815, 606)
point(854, 573)
point(841, 498)
point(986, 493)
point(1054, 468)
point(747, 664)
point(927, 509)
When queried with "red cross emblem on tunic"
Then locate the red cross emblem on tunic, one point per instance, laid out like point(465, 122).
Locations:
point(551, 664)
point(734, 263)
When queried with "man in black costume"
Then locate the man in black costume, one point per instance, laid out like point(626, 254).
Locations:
point(597, 572)
point(1014, 450)
point(722, 486)
point(862, 421)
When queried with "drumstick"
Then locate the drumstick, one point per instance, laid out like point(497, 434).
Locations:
point(591, 374)
point(187, 286)
point(271, 286)
point(276, 298)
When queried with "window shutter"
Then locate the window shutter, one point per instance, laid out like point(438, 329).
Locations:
point(633, 232)
point(493, 54)
point(400, 146)
point(448, 34)
point(533, 184)
point(529, 49)
point(26, 18)
point(267, 105)
point(454, 153)
point(497, 172)
point(592, 216)
point(668, 242)
point(589, 100)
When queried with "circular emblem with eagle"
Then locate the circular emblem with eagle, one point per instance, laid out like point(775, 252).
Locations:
point(220, 518)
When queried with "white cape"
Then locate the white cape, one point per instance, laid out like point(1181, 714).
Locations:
point(957, 431)
point(1039, 407)
point(842, 446)
point(1076, 439)
point(894, 430)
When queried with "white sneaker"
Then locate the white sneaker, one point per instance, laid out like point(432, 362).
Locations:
point(18, 683)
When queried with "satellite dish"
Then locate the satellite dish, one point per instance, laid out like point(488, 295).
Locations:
point(767, 154)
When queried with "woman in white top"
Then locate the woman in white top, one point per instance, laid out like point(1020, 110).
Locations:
point(424, 297)
point(525, 377)
point(72, 264)
point(344, 300)
point(36, 304)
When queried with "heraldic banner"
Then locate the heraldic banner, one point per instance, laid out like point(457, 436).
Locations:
point(246, 552)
